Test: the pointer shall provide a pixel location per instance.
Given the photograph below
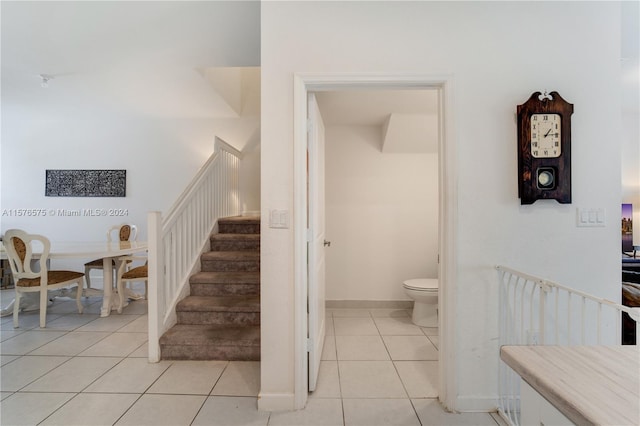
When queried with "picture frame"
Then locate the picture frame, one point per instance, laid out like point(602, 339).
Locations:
point(85, 183)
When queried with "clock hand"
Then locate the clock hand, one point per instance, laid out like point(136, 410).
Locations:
point(547, 134)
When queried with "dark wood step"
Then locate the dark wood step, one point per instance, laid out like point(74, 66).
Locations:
point(239, 225)
point(236, 310)
point(230, 261)
point(211, 342)
point(225, 284)
point(235, 242)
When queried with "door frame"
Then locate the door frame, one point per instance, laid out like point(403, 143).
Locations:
point(448, 215)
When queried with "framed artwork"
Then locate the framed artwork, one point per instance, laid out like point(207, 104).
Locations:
point(86, 183)
point(627, 228)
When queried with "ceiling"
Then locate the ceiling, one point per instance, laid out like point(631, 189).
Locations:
point(148, 57)
point(407, 119)
point(140, 57)
point(373, 107)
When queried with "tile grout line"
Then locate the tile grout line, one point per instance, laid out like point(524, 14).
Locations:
point(66, 332)
point(333, 325)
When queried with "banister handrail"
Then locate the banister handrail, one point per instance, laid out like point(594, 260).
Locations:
point(219, 145)
point(531, 306)
point(177, 240)
point(548, 283)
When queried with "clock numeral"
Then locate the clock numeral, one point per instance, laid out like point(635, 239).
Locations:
point(535, 152)
point(545, 118)
point(557, 143)
point(535, 144)
point(535, 118)
point(534, 136)
point(546, 152)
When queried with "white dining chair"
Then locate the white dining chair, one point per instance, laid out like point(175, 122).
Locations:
point(19, 246)
point(138, 273)
point(125, 232)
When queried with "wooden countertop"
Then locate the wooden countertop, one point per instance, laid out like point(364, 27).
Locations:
point(588, 384)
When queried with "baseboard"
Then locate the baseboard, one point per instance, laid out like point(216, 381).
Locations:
point(276, 402)
point(370, 304)
point(479, 404)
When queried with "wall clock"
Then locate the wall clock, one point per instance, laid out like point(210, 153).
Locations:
point(544, 148)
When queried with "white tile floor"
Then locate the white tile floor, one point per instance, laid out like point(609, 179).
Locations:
point(377, 368)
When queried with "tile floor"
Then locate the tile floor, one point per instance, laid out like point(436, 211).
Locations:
point(377, 368)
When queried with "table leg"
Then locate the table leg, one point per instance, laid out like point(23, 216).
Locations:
point(107, 272)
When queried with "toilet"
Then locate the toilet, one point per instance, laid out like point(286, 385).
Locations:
point(424, 292)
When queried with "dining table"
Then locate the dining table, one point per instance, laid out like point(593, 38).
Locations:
point(109, 251)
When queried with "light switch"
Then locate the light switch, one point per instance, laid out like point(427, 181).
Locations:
point(584, 216)
point(590, 217)
point(279, 219)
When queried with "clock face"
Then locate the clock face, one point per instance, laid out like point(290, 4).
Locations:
point(545, 135)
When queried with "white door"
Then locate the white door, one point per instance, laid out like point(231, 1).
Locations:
point(316, 239)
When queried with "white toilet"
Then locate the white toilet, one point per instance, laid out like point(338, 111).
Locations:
point(424, 292)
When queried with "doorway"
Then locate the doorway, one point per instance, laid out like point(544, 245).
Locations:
point(381, 192)
point(306, 83)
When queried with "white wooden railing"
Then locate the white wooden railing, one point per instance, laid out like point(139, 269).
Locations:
point(535, 311)
point(177, 240)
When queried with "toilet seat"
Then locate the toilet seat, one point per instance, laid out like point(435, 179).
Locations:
point(422, 284)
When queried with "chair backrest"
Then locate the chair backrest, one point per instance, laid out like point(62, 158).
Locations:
point(126, 232)
point(19, 246)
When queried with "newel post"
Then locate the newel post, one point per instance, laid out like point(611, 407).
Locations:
point(156, 284)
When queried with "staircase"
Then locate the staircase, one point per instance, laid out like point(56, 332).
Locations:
point(220, 320)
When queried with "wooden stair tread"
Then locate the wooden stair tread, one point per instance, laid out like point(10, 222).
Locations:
point(239, 220)
point(235, 237)
point(231, 255)
point(223, 335)
point(204, 277)
point(219, 304)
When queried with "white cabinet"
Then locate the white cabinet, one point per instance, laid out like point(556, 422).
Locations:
point(537, 411)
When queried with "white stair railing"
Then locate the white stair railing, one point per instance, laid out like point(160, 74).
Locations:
point(177, 240)
point(535, 311)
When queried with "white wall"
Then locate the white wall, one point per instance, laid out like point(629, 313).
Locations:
point(126, 96)
point(492, 51)
point(381, 216)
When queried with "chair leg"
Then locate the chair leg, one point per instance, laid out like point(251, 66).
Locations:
point(87, 276)
point(79, 295)
point(16, 309)
point(44, 299)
